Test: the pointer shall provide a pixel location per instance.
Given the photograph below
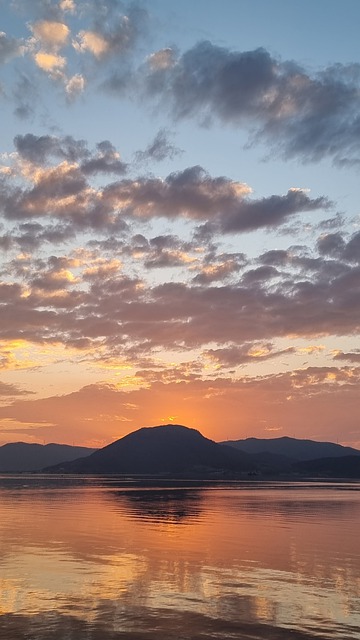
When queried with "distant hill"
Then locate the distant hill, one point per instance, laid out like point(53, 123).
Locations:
point(21, 456)
point(292, 448)
point(175, 450)
point(340, 467)
point(166, 449)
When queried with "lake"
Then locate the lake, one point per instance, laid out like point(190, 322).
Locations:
point(106, 558)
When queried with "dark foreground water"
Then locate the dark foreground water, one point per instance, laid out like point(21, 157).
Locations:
point(102, 559)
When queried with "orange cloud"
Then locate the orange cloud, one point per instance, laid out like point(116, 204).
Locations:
point(49, 61)
point(93, 42)
point(50, 34)
point(221, 408)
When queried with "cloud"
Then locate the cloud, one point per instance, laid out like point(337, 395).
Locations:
point(275, 257)
point(352, 250)
point(295, 112)
point(219, 269)
point(162, 59)
point(331, 244)
point(75, 86)
point(40, 149)
point(194, 194)
point(159, 149)
point(300, 115)
point(9, 48)
point(67, 6)
point(64, 191)
point(59, 190)
point(11, 390)
point(260, 274)
point(352, 356)
point(77, 299)
point(93, 42)
point(335, 246)
point(307, 403)
point(49, 37)
point(50, 34)
point(49, 61)
point(234, 355)
point(25, 96)
point(161, 251)
point(271, 211)
point(106, 160)
point(114, 33)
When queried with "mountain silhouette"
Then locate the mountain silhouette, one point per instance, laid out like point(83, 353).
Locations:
point(165, 449)
point(21, 456)
point(340, 467)
point(175, 450)
point(292, 448)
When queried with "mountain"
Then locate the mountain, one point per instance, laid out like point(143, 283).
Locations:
point(292, 448)
point(340, 467)
point(174, 450)
point(166, 449)
point(21, 456)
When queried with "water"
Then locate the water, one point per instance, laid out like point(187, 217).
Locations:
point(101, 559)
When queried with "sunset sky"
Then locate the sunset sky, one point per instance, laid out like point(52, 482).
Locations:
point(180, 219)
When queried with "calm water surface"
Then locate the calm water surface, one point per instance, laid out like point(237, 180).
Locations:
point(101, 559)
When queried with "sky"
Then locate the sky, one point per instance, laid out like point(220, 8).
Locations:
point(179, 219)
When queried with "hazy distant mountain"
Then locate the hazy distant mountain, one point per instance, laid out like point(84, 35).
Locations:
point(167, 449)
point(340, 467)
point(21, 456)
point(292, 448)
point(175, 450)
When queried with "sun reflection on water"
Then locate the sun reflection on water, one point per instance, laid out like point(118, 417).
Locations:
point(124, 554)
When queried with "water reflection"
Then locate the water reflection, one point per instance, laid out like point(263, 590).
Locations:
point(106, 559)
point(174, 506)
point(139, 625)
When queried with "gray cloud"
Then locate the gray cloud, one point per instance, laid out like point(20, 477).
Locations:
point(275, 257)
point(11, 390)
point(39, 8)
point(270, 211)
point(159, 149)
point(9, 47)
point(98, 303)
point(41, 149)
point(116, 28)
point(106, 161)
point(260, 274)
point(235, 355)
point(352, 250)
point(193, 193)
point(217, 267)
point(63, 192)
point(352, 356)
point(25, 96)
point(334, 245)
point(301, 115)
point(331, 244)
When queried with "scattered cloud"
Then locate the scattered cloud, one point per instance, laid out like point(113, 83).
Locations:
point(352, 356)
point(11, 390)
point(159, 275)
point(331, 394)
point(311, 116)
point(114, 33)
point(9, 47)
point(52, 35)
point(159, 149)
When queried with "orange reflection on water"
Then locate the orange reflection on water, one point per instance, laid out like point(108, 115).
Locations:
point(269, 556)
